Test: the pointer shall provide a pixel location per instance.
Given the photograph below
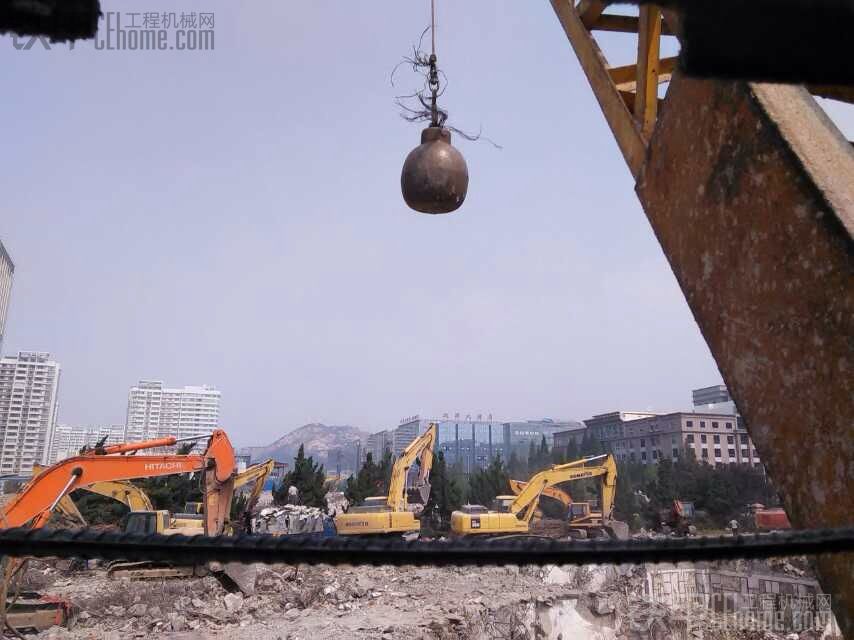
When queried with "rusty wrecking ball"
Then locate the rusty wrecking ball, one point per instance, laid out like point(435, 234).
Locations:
point(435, 178)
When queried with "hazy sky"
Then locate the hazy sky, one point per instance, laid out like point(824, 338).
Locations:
point(234, 218)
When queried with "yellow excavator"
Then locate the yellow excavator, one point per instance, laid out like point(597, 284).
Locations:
point(393, 514)
point(512, 514)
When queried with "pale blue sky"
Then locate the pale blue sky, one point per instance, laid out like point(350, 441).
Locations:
point(234, 218)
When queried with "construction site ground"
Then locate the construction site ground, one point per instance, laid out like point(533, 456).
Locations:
point(307, 602)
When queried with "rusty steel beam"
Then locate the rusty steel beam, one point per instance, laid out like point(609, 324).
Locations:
point(749, 189)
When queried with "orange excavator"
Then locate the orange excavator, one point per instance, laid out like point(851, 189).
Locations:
point(33, 505)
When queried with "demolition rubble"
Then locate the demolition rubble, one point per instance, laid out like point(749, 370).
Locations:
point(283, 602)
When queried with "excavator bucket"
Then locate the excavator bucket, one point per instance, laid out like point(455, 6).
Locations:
point(418, 494)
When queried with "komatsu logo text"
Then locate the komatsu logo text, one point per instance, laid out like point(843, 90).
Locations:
point(164, 466)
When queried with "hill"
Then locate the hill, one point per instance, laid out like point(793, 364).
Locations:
point(321, 442)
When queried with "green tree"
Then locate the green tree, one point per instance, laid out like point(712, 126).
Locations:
point(308, 477)
point(371, 480)
point(572, 452)
point(485, 484)
point(445, 494)
point(516, 467)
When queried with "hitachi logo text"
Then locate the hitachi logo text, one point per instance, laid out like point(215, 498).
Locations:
point(164, 466)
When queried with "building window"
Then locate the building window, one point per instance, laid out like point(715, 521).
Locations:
point(731, 453)
point(743, 438)
point(643, 442)
point(717, 453)
point(689, 438)
point(702, 424)
point(675, 452)
point(703, 438)
point(643, 456)
point(705, 453)
point(654, 454)
point(689, 423)
point(717, 439)
point(715, 425)
point(730, 439)
point(729, 425)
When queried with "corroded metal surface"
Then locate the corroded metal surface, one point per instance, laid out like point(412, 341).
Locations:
point(750, 190)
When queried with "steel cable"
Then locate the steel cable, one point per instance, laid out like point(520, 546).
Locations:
point(184, 550)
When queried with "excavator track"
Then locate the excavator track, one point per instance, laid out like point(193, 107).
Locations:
point(147, 571)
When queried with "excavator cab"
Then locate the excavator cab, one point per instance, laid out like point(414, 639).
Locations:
point(579, 510)
point(502, 504)
point(146, 522)
point(193, 507)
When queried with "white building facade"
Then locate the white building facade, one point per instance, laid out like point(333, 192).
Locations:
point(69, 440)
point(7, 269)
point(156, 412)
point(29, 384)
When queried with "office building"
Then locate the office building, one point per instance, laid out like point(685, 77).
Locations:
point(7, 270)
point(710, 395)
point(471, 441)
point(467, 442)
point(574, 435)
point(68, 440)
point(29, 383)
point(156, 412)
point(717, 439)
point(605, 425)
point(714, 399)
point(521, 434)
point(377, 444)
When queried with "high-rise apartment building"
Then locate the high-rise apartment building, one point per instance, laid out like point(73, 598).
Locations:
point(69, 440)
point(7, 269)
point(29, 383)
point(156, 412)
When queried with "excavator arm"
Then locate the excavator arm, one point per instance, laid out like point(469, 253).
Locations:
point(42, 494)
point(517, 486)
point(420, 449)
point(530, 493)
point(125, 492)
point(258, 474)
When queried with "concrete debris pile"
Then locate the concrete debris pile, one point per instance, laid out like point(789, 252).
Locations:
point(336, 502)
point(286, 602)
point(290, 519)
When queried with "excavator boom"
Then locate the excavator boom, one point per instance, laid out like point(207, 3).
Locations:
point(44, 491)
point(517, 486)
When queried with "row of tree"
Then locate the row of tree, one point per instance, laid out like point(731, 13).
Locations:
point(643, 491)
